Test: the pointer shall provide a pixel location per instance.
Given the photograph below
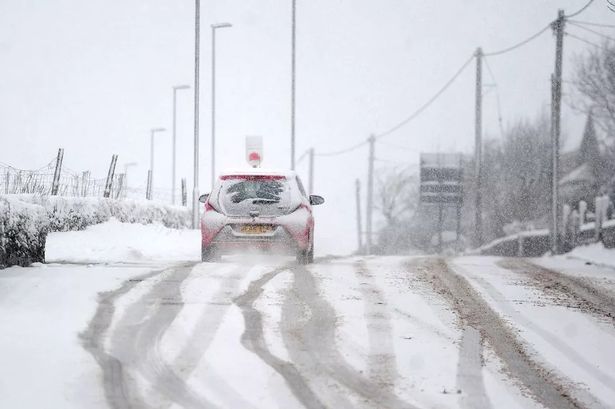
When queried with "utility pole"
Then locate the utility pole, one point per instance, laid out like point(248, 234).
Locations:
point(478, 150)
point(556, 104)
point(195, 188)
point(292, 92)
point(57, 173)
point(311, 181)
point(110, 174)
point(359, 228)
point(370, 193)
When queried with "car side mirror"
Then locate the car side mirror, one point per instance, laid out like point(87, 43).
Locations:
point(203, 198)
point(316, 200)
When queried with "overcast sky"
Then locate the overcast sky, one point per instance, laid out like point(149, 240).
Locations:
point(94, 76)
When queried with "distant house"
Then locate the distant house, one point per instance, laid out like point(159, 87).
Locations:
point(583, 169)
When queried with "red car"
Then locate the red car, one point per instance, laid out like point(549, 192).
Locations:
point(267, 211)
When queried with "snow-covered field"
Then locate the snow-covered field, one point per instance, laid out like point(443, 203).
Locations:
point(126, 316)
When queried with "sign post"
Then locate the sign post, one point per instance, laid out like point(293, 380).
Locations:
point(442, 185)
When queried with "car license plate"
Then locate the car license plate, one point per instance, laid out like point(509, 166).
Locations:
point(255, 229)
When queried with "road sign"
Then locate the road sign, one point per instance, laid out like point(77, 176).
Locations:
point(441, 178)
point(254, 150)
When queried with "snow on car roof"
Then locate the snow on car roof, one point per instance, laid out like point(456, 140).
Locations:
point(259, 172)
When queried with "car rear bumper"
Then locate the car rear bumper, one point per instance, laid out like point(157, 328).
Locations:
point(228, 241)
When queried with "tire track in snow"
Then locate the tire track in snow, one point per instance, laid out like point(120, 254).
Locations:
point(476, 313)
point(470, 379)
point(136, 340)
point(119, 387)
point(309, 324)
point(381, 363)
point(253, 339)
point(589, 296)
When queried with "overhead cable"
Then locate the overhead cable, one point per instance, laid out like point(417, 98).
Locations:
point(520, 44)
point(593, 31)
point(429, 102)
point(580, 10)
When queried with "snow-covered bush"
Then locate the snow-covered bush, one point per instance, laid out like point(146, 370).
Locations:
point(23, 231)
point(25, 220)
point(76, 213)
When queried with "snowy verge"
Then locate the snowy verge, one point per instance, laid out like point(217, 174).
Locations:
point(114, 241)
point(593, 253)
point(25, 220)
point(76, 213)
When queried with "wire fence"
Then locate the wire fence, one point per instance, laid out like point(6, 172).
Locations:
point(45, 182)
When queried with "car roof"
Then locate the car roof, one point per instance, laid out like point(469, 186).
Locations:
point(289, 174)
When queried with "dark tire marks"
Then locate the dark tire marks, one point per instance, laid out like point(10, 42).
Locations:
point(586, 295)
point(254, 340)
point(474, 312)
point(309, 324)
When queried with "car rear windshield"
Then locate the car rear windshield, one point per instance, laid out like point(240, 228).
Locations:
point(265, 195)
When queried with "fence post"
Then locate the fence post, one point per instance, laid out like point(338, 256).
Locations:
point(184, 193)
point(598, 218)
point(110, 174)
point(58, 172)
point(148, 189)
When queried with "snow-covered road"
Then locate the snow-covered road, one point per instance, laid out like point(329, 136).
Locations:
point(352, 332)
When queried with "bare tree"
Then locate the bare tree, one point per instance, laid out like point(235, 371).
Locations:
point(397, 190)
point(595, 82)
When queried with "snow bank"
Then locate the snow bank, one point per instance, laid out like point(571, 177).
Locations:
point(114, 241)
point(25, 220)
point(595, 254)
point(76, 213)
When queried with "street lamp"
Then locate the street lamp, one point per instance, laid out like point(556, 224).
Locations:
point(175, 89)
point(214, 27)
point(153, 132)
point(197, 55)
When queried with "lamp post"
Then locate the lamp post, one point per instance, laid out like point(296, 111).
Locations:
point(151, 158)
point(214, 27)
point(173, 175)
point(197, 54)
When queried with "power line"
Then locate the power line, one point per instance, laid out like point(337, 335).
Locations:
point(583, 40)
point(406, 148)
point(497, 96)
point(429, 102)
point(520, 44)
point(593, 31)
point(580, 10)
point(342, 151)
point(587, 23)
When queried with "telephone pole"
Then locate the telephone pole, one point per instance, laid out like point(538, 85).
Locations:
point(556, 107)
point(478, 150)
point(359, 228)
point(370, 194)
